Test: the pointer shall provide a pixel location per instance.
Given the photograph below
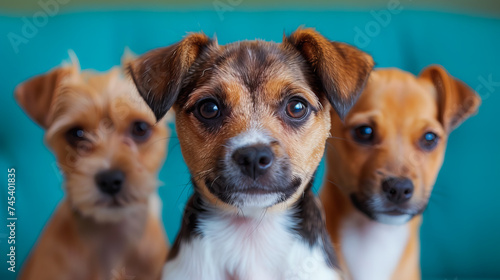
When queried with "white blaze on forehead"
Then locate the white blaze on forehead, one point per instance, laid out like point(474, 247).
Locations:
point(250, 137)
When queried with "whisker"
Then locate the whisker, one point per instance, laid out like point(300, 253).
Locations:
point(201, 173)
point(211, 185)
point(260, 221)
point(189, 183)
point(335, 184)
point(161, 139)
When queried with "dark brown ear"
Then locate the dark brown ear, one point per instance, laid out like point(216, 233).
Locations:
point(35, 95)
point(159, 73)
point(456, 101)
point(342, 70)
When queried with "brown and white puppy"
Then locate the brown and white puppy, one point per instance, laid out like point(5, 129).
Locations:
point(252, 119)
point(110, 150)
point(383, 161)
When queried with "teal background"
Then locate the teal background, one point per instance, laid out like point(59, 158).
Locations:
point(461, 230)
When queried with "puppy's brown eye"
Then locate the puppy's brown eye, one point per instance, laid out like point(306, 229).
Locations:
point(429, 141)
point(75, 135)
point(363, 134)
point(209, 109)
point(140, 131)
point(296, 109)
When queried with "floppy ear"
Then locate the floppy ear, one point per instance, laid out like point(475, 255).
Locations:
point(159, 73)
point(341, 69)
point(456, 100)
point(36, 95)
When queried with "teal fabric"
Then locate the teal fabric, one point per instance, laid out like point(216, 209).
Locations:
point(461, 230)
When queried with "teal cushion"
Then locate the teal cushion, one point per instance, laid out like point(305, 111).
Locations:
point(460, 234)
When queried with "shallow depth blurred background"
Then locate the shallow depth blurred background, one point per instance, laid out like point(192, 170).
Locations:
point(461, 230)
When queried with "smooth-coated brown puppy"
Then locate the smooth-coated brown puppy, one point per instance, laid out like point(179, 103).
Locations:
point(383, 161)
point(252, 119)
point(110, 151)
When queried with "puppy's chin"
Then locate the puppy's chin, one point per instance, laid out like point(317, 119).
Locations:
point(112, 215)
point(252, 196)
point(376, 209)
point(245, 200)
point(395, 220)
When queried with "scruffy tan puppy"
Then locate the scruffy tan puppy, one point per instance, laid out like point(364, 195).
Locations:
point(252, 119)
point(382, 164)
point(110, 150)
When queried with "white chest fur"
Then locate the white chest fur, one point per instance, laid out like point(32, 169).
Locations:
point(372, 250)
point(238, 248)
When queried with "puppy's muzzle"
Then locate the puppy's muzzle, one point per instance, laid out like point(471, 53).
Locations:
point(110, 182)
point(254, 161)
point(397, 190)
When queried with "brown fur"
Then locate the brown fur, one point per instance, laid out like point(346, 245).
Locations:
point(198, 67)
point(253, 80)
point(88, 237)
point(401, 108)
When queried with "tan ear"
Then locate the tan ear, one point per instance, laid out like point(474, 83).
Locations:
point(36, 95)
point(159, 73)
point(456, 100)
point(342, 70)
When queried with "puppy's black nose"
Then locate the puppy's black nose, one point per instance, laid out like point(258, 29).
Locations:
point(397, 190)
point(110, 181)
point(254, 161)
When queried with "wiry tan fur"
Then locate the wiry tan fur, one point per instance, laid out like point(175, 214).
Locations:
point(89, 236)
